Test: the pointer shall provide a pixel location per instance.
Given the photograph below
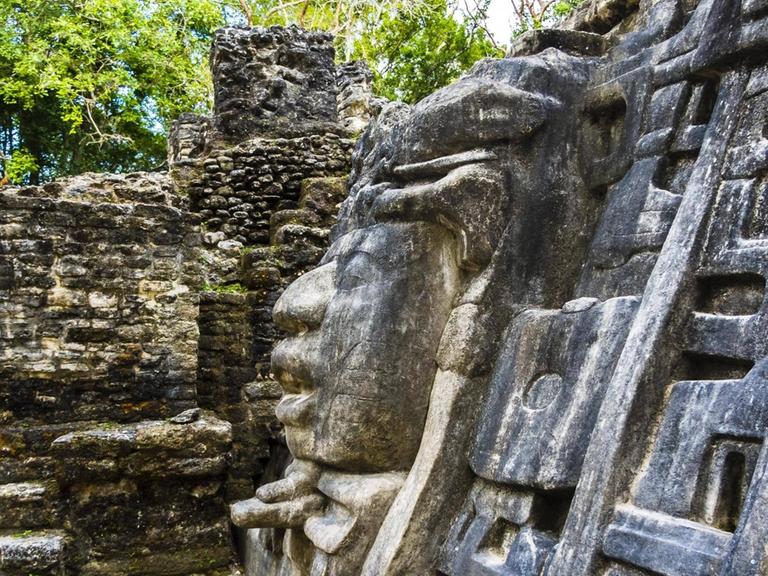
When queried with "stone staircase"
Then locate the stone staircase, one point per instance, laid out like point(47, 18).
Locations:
point(32, 541)
point(72, 498)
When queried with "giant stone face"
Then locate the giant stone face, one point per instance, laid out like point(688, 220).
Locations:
point(359, 361)
point(364, 328)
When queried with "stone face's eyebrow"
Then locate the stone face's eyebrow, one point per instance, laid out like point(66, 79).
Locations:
point(443, 164)
point(472, 113)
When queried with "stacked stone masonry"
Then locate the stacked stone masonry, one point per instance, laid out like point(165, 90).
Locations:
point(265, 173)
point(100, 281)
point(99, 299)
point(273, 82)
point(239, 190)
point(237, 333)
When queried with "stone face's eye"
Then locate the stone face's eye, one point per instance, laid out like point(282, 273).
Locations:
point(358, 271)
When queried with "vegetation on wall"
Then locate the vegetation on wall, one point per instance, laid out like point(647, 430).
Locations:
point(93, 85)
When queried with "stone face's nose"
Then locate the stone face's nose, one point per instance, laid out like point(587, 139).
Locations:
point(302, 306)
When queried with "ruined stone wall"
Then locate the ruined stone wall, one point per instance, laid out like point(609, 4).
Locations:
point(242, 187)
point(237, 333)
point(226, 368)
point(99, 279)
point(265, 173)
point(99, 345)
point(275, 123)
point(273, 82)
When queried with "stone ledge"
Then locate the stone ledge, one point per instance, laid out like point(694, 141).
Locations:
point(41, 553)
point(568, 41)
point(149, 449)
point(28, 504)
point(136, 188)
point(181, 563)
point(600, 16)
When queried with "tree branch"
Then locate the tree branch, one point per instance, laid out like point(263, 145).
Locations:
point(247, 12)
point(280, 7)
point(480, 24)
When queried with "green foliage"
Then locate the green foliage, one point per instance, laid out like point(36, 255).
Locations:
point(414, 54)
point(345, 19)
point(19, 166)
point(565, 6)
point(234, 288)
point(94, 84)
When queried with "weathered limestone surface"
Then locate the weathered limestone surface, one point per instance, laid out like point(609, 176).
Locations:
point(99, 280)
point(278, 119)
point(238, 191)
point(537, 342)
point(279, 81)
point(356, 104)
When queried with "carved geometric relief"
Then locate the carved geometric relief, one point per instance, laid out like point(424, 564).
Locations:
point(605, 119)
point(619, 434)
point(503, 530)
point(724, 479)
point(633, 227)
point(703, 99)
point(756, 224)
point(730, 295)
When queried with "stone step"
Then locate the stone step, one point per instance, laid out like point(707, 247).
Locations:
point(39, 553)
point(301, 217)
point(290, 233)
point(28, 505)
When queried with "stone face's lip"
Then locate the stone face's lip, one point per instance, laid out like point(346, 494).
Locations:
point(444, 164)
point(291, 365)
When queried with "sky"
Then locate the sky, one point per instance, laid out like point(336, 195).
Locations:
point(500, 20)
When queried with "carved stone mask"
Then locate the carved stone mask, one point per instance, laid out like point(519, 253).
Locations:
point(441, 204)
point(425, 214)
